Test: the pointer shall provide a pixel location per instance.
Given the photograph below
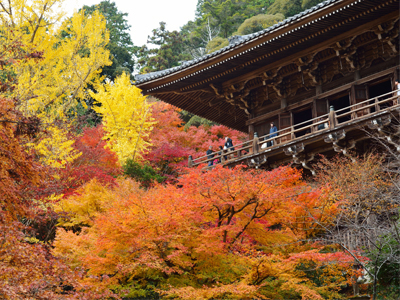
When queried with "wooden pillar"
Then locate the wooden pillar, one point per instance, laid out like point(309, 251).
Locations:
point(357, 75)
point(255, 143)
point(283, 102)
point(352, 99)
point(190, 161)
point(332, 118)
point(251, 132)
point(318, 90)
point(395, 77)
point(292, 135)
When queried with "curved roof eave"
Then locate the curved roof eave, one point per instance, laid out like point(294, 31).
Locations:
point(241, 40)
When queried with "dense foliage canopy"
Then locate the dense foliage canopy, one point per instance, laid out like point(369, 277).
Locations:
point(111, 211)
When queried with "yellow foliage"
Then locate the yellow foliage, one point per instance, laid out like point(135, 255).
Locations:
point(91, 200)
point(53, 66)
point(72, 247)
point(73, 55)
point(126, 117)
point(54, 149)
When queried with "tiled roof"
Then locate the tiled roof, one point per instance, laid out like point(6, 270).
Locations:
point(234, 42)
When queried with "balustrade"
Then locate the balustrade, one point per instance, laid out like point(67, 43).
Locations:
point(357, 112)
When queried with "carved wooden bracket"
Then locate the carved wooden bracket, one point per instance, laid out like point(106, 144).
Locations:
point(346, 50)
point(217, 90)
point(378, 124)
point(294, 150)
point(228, 96)
point(307, 65)
point(387, 33)
point(335, 137)
point(342, 45)
point(299, 158)
point(304, 163)
point(345, 150)
point(273, 79)
point(256, 162)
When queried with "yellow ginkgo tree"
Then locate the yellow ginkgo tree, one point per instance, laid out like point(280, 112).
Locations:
point(126, 117)
point(68, 55)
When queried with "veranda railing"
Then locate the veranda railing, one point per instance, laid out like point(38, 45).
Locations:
point(353, 112)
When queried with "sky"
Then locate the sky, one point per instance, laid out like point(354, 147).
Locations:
point(145, 15)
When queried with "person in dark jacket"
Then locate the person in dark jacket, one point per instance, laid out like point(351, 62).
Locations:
point(210, 155)
point(228, 146)
point(272, 133)
point(323, 125)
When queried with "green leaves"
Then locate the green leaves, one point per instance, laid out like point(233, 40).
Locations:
point(258, 23)
point(144, 174)
point(120, 45)
point(170, 52)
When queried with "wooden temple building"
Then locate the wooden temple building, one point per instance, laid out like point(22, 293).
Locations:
point(325, 77)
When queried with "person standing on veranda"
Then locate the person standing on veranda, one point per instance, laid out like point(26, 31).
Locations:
point(210, 156)
point(272, 133)
point(228, 145)
point(396, 92)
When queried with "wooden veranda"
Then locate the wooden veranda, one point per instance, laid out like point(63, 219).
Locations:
point(343, 129)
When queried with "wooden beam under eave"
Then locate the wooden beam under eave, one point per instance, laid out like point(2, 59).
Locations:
point(322, 95)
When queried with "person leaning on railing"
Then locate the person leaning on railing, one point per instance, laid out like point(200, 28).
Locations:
point(397, 92)
point(272, 133)
point(228, 145)
point(210, 156)
point(322, 125)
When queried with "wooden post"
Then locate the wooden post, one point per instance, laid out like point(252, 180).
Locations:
point(332, 118)
point(190, 161)
point(318, 90)
point(357, 75)
point(251, 136)
point(255, 143)
point(283, 102)
point(251, 132)
point(377, 107)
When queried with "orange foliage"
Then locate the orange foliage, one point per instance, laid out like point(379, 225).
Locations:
point(205, 238)
point(171, 145)
point(27, 268)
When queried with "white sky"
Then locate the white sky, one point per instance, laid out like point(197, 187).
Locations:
point(145, 15)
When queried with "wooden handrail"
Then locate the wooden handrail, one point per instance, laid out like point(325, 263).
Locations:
point(325, 117)
point(238, 147)
point(343, 112)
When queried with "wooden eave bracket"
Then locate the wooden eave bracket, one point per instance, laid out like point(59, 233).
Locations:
point(256, 162)
point(378, 124)
point(335, 137)
point(296, 151)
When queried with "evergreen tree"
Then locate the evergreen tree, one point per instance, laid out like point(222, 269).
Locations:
point(120, 45)
point(219, 18)
point(258, 23)
point(291, 7)
point(170, 50)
